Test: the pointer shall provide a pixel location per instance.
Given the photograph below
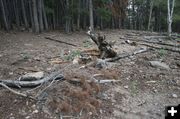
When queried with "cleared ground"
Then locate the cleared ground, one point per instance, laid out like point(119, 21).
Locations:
point(143, 91)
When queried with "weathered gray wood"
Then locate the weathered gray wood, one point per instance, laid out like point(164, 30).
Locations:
point(124, 55)
point(19, 84)
point(91, 18)
point(173, 49)
point(104, 47)
point(60, 41)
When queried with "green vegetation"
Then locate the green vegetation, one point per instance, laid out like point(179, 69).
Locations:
point(162, 52)
point(134, 87)
point(71, 15)
point(87, 44)
point(72, 55)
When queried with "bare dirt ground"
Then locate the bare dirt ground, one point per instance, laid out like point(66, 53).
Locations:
point(142, 92)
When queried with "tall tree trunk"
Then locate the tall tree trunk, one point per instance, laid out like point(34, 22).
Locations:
point(67, 27)
point(31, 14)
point(24, 14)
point(150, 14)
point(133, 14)
point(41, 26)
point(91, 19)
point(4, 15)
point(119, 22)
point(101, 23)
point(44, 16)
point(16, 11)
point(54, 20)
point(113, 24)
point(79, 14)
point(35, 16)
point(170, 15)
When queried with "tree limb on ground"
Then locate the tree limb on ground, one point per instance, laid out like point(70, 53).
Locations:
point(173, 49)
point(158, 43)
point(16, 92)
point(124, 55)
point(19, 83)
point(60, 41)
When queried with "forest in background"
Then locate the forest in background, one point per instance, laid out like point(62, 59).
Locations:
point(73, 15)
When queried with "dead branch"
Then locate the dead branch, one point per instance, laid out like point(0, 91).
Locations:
point(104, 47)
point(155, 37)
point(158, 43)
point(124, 55)
point(162, 43)
point(173, 49)
point(107, 81)
point(16, 92)
point(39, 93)
point(19, 84)
point(76, 80)
point(60, 41)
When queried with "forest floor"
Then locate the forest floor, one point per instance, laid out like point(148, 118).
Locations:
point(142, 92)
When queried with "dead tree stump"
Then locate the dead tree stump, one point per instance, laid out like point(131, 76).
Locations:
point(104, 47)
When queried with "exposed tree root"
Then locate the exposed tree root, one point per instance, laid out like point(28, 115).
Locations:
point(104, 47)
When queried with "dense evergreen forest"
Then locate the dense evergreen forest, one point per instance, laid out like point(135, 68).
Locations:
point(72, 15)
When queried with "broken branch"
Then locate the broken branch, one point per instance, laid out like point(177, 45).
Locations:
point(104, 47)
point(165, 48)
point(16, 92)
point(60, 41)
point(124, 55)
point(18, 83)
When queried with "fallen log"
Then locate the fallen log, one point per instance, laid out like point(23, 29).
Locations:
point(158, 43)
point(104, 47)
point(162, 43)
point(60, 41)
point(124, 55)
point(24, 84)
point(173, 49)
point(155, 37)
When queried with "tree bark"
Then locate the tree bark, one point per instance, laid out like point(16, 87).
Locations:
point(31, 15)
point(35, 16)
point(67, 27)
point(150, 14)
point(170, 15)
point(24, 14)
point(133, 14)
point(16, 11)
point(44, 16)
point(41, 26)
point(79, 14)
point(18, 83)
point(91, 19)
point(4, 15)
point(104, 47)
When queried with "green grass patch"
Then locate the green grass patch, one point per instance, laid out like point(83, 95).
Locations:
point(162, 52)
point(72, 55)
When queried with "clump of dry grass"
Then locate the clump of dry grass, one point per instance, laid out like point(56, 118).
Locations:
point(78, 96)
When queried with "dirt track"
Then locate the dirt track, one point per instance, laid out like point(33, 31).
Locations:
point(143, 90)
